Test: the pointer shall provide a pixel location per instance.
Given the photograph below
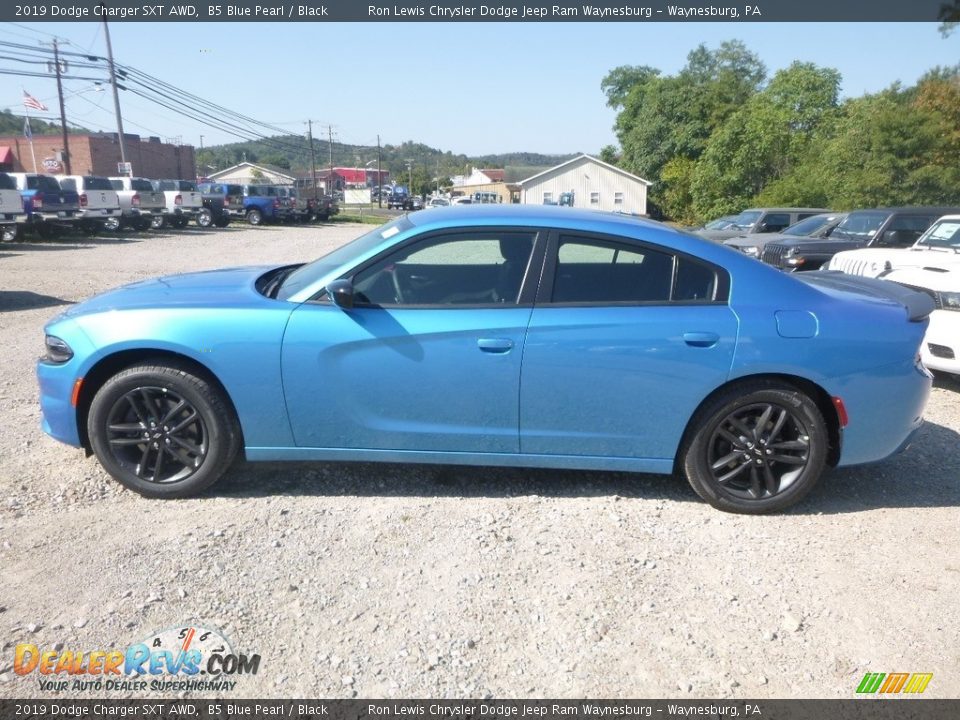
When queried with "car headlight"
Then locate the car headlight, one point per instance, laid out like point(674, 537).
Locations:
point(950, 300)
point(58, 352)
point(751, 250)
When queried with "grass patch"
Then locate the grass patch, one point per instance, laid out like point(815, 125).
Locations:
point(352, 218)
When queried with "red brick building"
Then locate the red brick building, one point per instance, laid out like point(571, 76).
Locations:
point(98, 155)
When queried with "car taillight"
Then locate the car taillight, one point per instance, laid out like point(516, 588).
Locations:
point(178, 200)
point(38, 201)
point(83, 199)
point(135, 200)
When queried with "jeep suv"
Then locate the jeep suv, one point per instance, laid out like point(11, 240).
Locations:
point(761, 220)
point(881, 227)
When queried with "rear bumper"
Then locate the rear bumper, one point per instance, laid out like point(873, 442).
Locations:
point(98, 213)
point(885, 407)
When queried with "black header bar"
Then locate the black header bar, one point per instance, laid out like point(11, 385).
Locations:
point(226, 709)
point(472, 11)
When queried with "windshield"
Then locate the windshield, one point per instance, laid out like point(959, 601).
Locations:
point(719, 224)
point(944, 233)
point(860, 225)
point(746, 219)
point(807, 227)
point(311, 272)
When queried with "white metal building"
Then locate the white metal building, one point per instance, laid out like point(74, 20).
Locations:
point(595, 184)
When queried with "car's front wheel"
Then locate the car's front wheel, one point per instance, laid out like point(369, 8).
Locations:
point(759, 447)
point(163, 430)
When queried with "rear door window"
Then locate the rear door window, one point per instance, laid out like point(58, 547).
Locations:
point(775, 222)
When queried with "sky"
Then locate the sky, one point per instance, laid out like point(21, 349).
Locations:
point(472, 88)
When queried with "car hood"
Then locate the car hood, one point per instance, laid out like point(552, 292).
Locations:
point(720, 235)
point(757, 239)
point(228, 287)
point(941, 279)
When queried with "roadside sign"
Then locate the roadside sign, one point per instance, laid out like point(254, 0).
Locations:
point(125, 168)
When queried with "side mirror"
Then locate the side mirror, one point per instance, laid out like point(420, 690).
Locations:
point(341, 292)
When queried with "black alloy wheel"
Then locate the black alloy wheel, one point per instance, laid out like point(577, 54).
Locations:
point(157, 435)
point(163, 429)
point(756, 448)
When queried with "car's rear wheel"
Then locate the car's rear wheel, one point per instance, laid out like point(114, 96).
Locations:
point(255, 217)
point(222, 221)
point(205, 218)
point(112, 224)
point(759, 447)
point(158, 222)
point(163, 430)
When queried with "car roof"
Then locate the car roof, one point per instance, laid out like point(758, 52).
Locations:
point(926, 209)
point(788, 209)
point(549, 215)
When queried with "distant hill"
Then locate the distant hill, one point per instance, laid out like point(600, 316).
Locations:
point(292, 152)
point(11, 124)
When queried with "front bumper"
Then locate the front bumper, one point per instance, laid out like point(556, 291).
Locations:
point(941, 345)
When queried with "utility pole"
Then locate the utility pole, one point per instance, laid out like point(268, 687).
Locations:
point(63, 113)
point(330, 148)
point(409, 162)
point(313, 158)
point(113, 84)
point(379, 175)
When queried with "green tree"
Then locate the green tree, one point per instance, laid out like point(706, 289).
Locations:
point(666, 117)
point(764, 140)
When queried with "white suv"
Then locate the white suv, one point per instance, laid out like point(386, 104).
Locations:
point(941, 241)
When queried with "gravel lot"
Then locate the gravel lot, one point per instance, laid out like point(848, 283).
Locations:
point(413, 581)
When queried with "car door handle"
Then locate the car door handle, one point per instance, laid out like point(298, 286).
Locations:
point(701, 339)
point(495, 345)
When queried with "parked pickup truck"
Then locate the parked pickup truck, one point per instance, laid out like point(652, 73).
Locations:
point(881, 227)
point(49, 209)
point(184, 202)
point(11, 207)
point(230, 202)
point(262, 203)
point(214, 210)
point(139, 203)
point(98, 201)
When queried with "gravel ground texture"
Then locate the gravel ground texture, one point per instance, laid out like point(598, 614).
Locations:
point(379, 580)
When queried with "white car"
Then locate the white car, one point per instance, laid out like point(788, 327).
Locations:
point(438, 202)
point(940, 241)
point(940, 349)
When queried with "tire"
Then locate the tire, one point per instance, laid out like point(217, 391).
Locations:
point(254, 217)
point(170, 464)
point(48, 231)
point(222, 221)
point(157, 222)
point(112, 224)
point(204, 218)
point(12, 233)
point(143, 223)
point(180, 222)
point(729, 428)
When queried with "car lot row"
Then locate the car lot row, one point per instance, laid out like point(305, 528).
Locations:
point(50, 205)
point(916, 247)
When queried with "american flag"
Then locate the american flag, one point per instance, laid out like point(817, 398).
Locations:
point(29, 101)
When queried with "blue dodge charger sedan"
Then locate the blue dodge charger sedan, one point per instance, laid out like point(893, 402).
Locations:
point(491, 335)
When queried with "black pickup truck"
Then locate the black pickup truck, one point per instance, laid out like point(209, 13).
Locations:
point(880, 227)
